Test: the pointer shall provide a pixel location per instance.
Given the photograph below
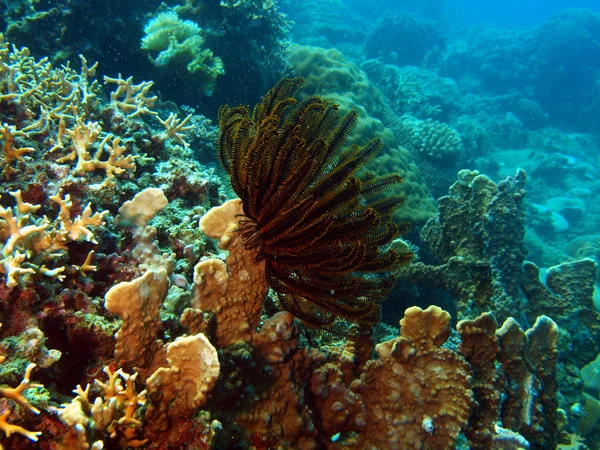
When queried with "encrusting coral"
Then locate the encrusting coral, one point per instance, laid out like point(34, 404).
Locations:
point(318, 225)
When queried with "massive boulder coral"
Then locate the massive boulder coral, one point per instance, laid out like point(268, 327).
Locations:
point(328, 73)
point(405, 40)
point(432, 141)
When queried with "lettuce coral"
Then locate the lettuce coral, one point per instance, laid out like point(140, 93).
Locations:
point(179, 42)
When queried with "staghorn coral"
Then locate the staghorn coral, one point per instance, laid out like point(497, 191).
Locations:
point(30, 243)
point(132, 99)
point(319, 227)
point(115, 413)
point(48, 120)
point(16, 396)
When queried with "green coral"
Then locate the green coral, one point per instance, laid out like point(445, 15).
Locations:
point(177, 42)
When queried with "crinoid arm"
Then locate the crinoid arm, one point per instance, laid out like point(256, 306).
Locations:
point(323, 228)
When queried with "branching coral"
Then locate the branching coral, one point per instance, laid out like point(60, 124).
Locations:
point(132, 99)
point(84, 135)
point(16, 395)
point(46, 107)
point(37, 85)
point(116, 413)
point(319, 227)
point(30, 243)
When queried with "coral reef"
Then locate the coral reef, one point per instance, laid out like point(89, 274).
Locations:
point(143, 306)
point(329, 74)
point(514, 60)
point(231, 34)
point(479, 258)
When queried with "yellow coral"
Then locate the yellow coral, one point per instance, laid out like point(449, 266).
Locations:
point(132, 99)
point(83, 135)
point(9, 133)
point(116, 412)
point(16, 395)
point(30, 242)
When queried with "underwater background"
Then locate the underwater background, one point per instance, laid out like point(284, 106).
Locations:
point(143, 306)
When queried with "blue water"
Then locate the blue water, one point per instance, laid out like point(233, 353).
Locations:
point(511, 13)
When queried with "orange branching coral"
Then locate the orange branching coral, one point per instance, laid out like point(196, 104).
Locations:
point(322, 229)
point(16, 395)
point(116, 412)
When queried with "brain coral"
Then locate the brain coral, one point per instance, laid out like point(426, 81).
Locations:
point(329, 74)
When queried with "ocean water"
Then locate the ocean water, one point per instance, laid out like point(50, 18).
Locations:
point(490, 111)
